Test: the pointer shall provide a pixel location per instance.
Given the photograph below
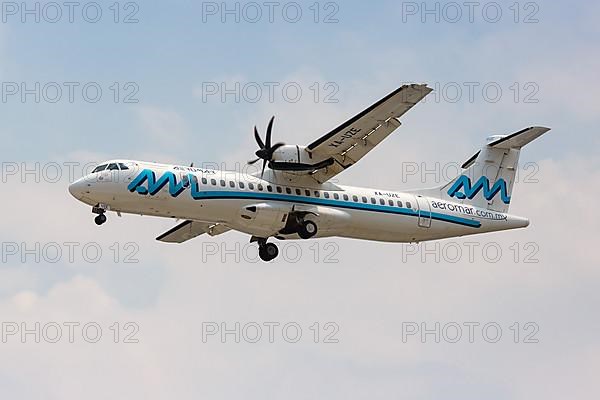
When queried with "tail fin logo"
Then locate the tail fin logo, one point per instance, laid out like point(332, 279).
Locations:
point(469, 191)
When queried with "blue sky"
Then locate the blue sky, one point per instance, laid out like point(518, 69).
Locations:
point(169, 56)
point(170, 52)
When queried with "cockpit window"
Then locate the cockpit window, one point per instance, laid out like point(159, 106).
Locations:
point(113, 166)
point(99, 168)
point(123, 166)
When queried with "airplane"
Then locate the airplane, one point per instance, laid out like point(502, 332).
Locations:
point(295, 199)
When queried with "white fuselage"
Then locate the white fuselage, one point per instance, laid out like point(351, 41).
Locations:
point(223, 197)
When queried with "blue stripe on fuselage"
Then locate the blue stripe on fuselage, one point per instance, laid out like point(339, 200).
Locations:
point(222, 194)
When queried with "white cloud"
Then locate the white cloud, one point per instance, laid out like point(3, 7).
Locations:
point(369, 293)
point(163, 126)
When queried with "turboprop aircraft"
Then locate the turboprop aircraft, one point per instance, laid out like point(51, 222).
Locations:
point(295, 199)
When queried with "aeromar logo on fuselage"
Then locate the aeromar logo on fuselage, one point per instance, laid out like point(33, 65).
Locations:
point(154, 186)
point(462, 188)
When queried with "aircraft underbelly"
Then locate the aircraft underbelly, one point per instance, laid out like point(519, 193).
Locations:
point(332, 221)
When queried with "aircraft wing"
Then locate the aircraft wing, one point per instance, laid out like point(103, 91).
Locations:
point(353, 139)
point(190, 229)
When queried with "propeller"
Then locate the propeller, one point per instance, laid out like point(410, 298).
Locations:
point(266, 150)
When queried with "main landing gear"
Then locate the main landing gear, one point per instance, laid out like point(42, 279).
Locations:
point(296, 224)
point(307, 229)
point(100, 218)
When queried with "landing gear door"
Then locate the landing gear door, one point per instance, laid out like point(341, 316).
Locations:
point(424, 212)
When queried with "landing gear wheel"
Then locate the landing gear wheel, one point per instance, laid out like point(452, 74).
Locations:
point(268, 251)
point(100, 219)
point(307, 230)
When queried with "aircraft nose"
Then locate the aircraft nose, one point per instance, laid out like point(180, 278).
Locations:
point(76, 189)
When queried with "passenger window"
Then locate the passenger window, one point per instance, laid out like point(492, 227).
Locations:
point(288, 190)
point(242, 185)
point(298, 192)
point(279, 189)
point(391, 202)
point(408, 204)
point(213, 182)
point(222, 183)
point(346, 197)
point(260, 187)
point(336, 196)
point(317, 193)
point(382, 202)
point(99, 168)
point(123, 166)
point(232, 184)
point(269, 188)
point(307, 192)
point(364, 199)
point(399, 203)
point(355, 199)
point(251, 186)
point(204, 181)
point(326, 195)
point(113, 167)
point(373, 201)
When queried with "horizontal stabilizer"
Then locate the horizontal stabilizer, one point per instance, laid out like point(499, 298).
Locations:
point(513, 141)
point(518, 139)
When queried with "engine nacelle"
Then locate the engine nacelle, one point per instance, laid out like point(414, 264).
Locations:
point(292, 154)
point(296, 158)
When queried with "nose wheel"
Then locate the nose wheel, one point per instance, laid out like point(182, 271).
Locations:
point(100, 218)
point(266, 251)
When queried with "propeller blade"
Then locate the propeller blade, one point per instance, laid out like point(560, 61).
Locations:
point(252, 162)
point(269, 131)
point(263, 168)
point(275, 147)
point(258, 139)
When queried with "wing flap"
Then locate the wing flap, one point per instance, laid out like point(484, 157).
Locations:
point(185, 231)
point(190, 229)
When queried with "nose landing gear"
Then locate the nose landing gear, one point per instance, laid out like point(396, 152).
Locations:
point(266, 251)
point(100, 218)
